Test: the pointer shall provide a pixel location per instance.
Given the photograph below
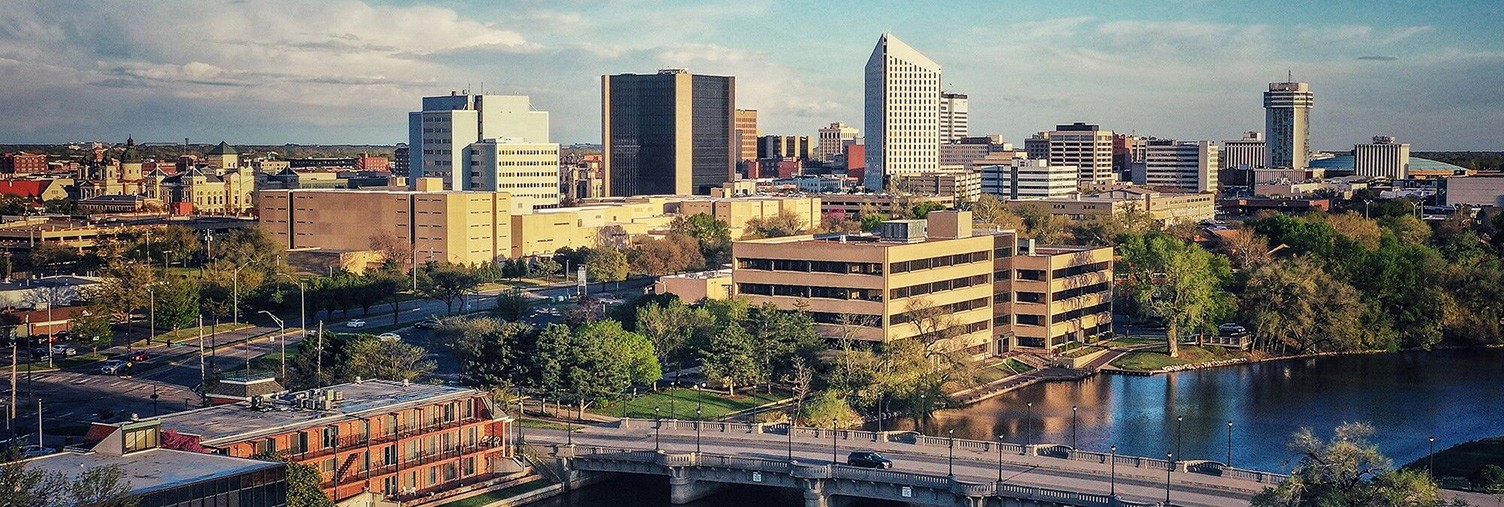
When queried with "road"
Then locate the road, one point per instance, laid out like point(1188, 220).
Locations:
point(1139, 485)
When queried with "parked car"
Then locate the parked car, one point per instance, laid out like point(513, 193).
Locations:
point(390, 336)
point(868, 459)
point(64, 350)
point(1231, 329)
point(355, 323)
point(140, 356)
point(113, 367)
point(426, 324)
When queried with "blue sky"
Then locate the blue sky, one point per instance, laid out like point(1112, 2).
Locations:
point(346, 71)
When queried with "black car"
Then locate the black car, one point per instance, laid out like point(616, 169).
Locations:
point(868, 459)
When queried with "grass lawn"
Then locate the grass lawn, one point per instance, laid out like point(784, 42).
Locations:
point(1018, 366)
point(75, 361)
point(268, 362)
point(1132, 340)
point(1155, 358)
point(993, 372)
point(500, 494)
point(549, 425)
point(714, 404)
point(1464, 460)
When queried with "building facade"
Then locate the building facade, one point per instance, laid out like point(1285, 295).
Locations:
point(954, 121)
point(962, 185)
point(1287, 123)
point(1086, 146)
point(1189, 166)
point(902, 107)
point(439, 136)
point(411, 443)
point(783, 147)
point(747, 134)
point(668, 133)
point(833, 139)
point(527, 171)
point(23, 163)
point(437, 225)
point(1383, 158)
point(1029, 179)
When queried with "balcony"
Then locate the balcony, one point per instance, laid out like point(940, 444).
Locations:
point(378, 469)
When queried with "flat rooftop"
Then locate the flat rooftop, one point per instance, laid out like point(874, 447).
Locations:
point(153, 469)
point(224, 424)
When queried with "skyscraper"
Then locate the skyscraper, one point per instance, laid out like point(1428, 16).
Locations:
point(1287, 122)
point(668, 133)
point(746, 135)
point(902, 112)
point(1384, 158)
point(439, 136)
point(953, 117)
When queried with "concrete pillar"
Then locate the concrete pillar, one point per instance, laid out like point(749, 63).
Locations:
point(814, 494)
point(682, 490)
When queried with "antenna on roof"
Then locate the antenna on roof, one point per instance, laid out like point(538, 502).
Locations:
point(1289, 75)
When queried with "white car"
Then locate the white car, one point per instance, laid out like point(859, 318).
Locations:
point(112, 367)
point(390, 336)
point(355, 323)
point(63, 350)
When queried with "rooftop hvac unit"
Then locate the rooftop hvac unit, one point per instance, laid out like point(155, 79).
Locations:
point(903, 231)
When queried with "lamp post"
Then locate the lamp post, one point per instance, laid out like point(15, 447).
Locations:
point(950, 462)
point(922, 412)
point(281, 339)
point(1073, 426)
point(697, 430)
point(1028, 426)
point(520, 413)
point(1431, 458)
point(151, 324)
point(999, 458)
point(1113, 481)
point(657, 429)
point(1229, 443)
point(1179, 425)
point(235, 292)
point(1169, 467)
point(791, 438)
point(832, 440)
point(302, 306)
point(569, 429)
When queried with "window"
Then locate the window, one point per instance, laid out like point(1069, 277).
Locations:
point(331, 436)
point(140, 439)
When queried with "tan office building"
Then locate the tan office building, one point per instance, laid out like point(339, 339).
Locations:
point(852, 205)
point(444, 226)
point(736, 212)
point(984, 291)
point(961, 185)
point(1164, 207)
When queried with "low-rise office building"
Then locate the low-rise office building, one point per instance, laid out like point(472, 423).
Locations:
point(852, 205)
point(961, 185)
point(412, 443)
point(1164, 207)
point(1029, 179)
point(981, 292)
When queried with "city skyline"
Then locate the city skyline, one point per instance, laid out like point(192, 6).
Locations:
point(348, 71)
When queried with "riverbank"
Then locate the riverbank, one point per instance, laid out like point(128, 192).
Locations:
point(1463, 466)
point(1251, 358)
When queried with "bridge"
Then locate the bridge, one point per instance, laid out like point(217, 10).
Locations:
point(700, 459)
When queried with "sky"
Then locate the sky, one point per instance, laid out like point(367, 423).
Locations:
point(347, 71)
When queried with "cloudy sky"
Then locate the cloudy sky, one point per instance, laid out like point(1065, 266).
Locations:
point(346, 71)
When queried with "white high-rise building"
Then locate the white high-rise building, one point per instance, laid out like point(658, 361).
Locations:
point(1029, 179)
point(1287, 122)
point(1190, 166)
point(833, 139)
point(1383, 158)
point(440, 135)
point(528, 171)
point(902, 121)
point(953, 117)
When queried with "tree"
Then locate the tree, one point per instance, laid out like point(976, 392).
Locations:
point(828, 406)
point(598, 361)
point(512, 305)
point(14, 205)
point(92, 325)
point(177, 303)
point(490, 352)
point(1244, 247)
point(781, 337)
point(379, 358)
point(398, 253)
point(61, 206)
point(1114, 228)
point(606, 264)
point(785, 223)
point(49, 256)
point(672, 254)
point(1176, 281)
point(103, 486)
point(1296, 305)
point(546, 267)
point(731, 358)
point(923, 209)
point(1354, 227)
point(1347, 470)
point(712, 234)
point(447, 283)
point(991, 213)
point(1044, 226)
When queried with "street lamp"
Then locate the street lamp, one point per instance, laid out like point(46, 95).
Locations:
point(282, 339)
point(791, 438)
point(950, 463)
point(697, 430)
point(922, 413)
point(1179, 424)
point(521, 437)
point(698, 387)
point(1229, 443)
point(569, 429)
point(1028, 426)
point(302, 306)
point(657, 429)
point(1169, 467)
point(832, 440)
point(1073, 426)
point(1113, 482)
point(999, 458)
point(1431, 459)
point(235, 292)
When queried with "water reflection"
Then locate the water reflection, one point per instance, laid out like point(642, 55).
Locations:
point(1454, 395)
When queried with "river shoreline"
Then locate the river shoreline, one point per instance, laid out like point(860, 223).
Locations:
point(1270, 359)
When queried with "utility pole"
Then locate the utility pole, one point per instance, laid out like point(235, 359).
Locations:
point(10, 410)
point(203, 375)
point(318, 362)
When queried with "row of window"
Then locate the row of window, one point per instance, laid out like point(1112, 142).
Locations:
point(1082, 269)
point(808, 291)
point(942, 310)
point(1095, 288)
point(938, 262)
point(939, 286)
point(864, 268)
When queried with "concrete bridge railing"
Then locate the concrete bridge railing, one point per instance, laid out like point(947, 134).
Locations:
point(694, 475)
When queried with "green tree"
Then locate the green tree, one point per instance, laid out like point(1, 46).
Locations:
point(103, 486)
point(177, 303)
point(989, 212)
point(491, 352)
point(447, 283)
point(828, 406)
point(1176, 281)
point(512, 305)
point(785, 223)
point(780, 337)
point(93, 326)
point(731, 358)
point(1044, 226)
point(378, 358)
point(305, 483)
point(1298, 306)
point(712, 234)
point(62, 206)
point(923, 209)
point(1347, 470)
point(606, 264)
point(546, 267)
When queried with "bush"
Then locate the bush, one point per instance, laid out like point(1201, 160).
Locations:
point(820, 409)
point(770, 417)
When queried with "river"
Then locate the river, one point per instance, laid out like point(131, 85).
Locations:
point(1454, 395)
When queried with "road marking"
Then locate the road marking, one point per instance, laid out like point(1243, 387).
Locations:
point(80, 381)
